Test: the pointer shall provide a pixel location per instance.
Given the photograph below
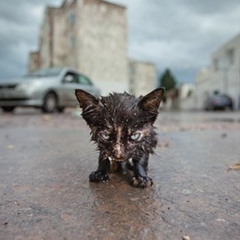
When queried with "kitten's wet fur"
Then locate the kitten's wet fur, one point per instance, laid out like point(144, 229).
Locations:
point(122, 127)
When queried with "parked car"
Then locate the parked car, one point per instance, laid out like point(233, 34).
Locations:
point(50, 89)
point(218, 101)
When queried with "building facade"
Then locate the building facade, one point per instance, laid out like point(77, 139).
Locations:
point(142, 77)
point(87, 35)
point(223, 74)
point(91, 37)
point(186, 97)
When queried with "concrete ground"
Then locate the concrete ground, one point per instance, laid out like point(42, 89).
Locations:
point(45, 161)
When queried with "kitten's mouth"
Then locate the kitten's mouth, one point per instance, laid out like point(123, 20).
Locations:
point(116, 159)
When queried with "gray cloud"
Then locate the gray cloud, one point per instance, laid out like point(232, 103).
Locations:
point(19, 26)
point(180, 35)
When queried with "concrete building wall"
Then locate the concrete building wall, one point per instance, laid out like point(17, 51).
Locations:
point(45, 38)
point(60, 48)
point(186, 97)
point(102, 46)
point(65, 36)
point(223, 74)
point(57, 42)
point(34, 63)
point(142, 76)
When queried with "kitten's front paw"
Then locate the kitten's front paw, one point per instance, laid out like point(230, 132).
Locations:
point(142, 182)
point(98, 176)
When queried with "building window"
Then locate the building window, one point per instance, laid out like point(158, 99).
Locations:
point(103, 8)
point(230, 56)
point(72, 18)
point(215, 64)
point(72, 42)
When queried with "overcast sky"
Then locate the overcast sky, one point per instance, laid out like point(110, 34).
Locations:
point(178, 34)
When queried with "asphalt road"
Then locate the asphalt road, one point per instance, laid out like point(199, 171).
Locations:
point(45, 161)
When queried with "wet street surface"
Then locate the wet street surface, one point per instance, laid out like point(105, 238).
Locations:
point(45, 161)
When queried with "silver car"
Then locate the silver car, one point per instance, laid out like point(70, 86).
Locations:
point(50, 89)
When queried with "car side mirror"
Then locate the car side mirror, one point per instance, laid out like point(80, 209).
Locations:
point(68, 79)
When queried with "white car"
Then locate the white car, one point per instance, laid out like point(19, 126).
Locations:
point(50, 89)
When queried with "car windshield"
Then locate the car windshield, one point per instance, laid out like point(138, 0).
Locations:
point(48, 72)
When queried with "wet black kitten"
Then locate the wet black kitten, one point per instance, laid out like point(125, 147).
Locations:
point(122, 127)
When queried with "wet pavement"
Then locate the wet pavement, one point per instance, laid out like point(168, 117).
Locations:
point(45, 161)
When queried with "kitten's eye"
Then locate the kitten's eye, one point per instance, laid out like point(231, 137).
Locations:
point(135, 136)
point(105, 136)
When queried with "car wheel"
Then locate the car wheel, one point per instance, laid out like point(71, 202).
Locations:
point(60, 109)
point(50, 103)
point(229, 108)
point(8, 109)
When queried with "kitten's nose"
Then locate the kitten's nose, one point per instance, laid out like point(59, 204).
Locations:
point(118, 152)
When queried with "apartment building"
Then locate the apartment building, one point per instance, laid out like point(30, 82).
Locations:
point(90, 36)
point(142, 77)
point(222, 75)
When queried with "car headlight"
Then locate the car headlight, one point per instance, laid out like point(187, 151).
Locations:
point(26, 85)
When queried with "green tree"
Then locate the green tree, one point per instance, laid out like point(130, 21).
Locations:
point(167, 80)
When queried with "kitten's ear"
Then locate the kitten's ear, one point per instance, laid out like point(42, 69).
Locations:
point(152, 100)
point(85, 99)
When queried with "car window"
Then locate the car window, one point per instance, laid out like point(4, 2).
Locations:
point(84, 80)
point(47, 72)
point(70, 78)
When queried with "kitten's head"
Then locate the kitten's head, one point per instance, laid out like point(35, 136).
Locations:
point(121, 125)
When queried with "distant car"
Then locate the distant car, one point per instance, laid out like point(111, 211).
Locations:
point(50, 89)
point(218, 101)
